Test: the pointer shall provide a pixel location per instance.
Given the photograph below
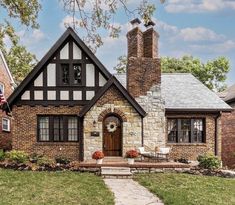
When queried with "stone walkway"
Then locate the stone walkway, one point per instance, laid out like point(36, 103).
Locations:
point(129, 192)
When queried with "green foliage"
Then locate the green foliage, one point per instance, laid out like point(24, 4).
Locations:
point(17, 156)
point(52, 188)
point(209, 161)
point(35, 157)
point(212, 74)
point(2, 155)
point(62, 160)
point(44, 161)
point(122, 63)
point(20, 61)
point(24, 10)
point(186, 189)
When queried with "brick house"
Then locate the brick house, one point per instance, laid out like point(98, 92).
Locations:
point(228, 128)
point(7, 87)
point(71, 105)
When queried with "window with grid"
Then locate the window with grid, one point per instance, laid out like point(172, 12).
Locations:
point(58, 128)
point(186, 130)
point(6, 124)
point(71, 74)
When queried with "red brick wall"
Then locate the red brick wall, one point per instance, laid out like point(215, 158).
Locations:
point(228, 138)
point(25, 131)
point(144, 67)
point(192, 150)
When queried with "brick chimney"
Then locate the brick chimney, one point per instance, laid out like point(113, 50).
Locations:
point(143, 67)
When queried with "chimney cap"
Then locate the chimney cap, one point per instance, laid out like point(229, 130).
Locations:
point(135, 21)
point(149, 23)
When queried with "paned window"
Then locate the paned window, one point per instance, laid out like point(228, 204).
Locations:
point(186, 130)
point(6, 124)
point(58, 128)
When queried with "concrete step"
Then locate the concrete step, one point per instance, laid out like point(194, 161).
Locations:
point(116, 172)
point(114, 159)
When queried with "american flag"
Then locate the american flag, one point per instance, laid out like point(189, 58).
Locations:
point(2, 98)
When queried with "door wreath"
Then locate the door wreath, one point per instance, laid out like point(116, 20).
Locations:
point(111, 127)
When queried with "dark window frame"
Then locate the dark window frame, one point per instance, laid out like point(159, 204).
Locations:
point(65, 128)
point(191, 136)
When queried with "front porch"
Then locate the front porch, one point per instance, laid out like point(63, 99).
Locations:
point(145, 165)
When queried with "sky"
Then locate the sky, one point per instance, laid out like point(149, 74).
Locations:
point(201, 28)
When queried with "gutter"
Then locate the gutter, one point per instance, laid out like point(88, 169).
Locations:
point(142, 131)
point(216, 133)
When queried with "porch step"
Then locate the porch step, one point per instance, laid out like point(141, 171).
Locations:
point(116, 172)
point(114, 159)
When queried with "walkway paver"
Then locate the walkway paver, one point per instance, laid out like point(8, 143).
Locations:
point(129, 192)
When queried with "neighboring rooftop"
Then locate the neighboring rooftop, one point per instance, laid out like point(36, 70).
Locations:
point(182, 91)
point(228, 95)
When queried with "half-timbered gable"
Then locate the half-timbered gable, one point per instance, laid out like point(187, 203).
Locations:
point(69, 74)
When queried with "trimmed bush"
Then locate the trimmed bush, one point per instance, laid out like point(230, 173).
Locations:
point(5, 143)
point(44, 161)
point(62, 160)
point(2, 155)
point(35, 157)
point(209, 161)
point(17, 156)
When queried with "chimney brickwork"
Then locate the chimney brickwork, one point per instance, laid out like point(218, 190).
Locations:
point(144, 68)
point(144, 83)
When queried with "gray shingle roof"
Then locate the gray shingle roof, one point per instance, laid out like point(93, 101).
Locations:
point(229, 94)
point(184, 92)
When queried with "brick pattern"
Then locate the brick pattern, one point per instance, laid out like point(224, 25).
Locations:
point(228, 139)
point(5, 80)
point(108, 111)
point(25, 131)
point(192, 150)
point(142, 75)
point(143, 67)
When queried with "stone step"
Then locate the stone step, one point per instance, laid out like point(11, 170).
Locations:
point(116, 172)
point(114, 159)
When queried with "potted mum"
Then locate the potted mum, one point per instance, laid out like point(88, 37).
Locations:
point(98, 156)
point(131, 155)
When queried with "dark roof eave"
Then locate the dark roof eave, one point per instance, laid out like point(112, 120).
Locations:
point(128, 97)
point(48, 55)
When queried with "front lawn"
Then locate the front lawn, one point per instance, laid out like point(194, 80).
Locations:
point(52, 188)
point(185, 189)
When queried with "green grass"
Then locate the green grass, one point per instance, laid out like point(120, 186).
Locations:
point(185, 189)
point(52, 188)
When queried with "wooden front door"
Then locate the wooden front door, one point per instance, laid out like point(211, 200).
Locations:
point(112, 136)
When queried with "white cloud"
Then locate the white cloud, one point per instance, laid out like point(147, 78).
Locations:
point(68, 21)
point(198, 6)
point(199, 34)
point(220, 48)
point(33, 37)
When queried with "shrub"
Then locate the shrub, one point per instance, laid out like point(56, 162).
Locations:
point(2, 155)
point(131, 154)
point(62, 160)
point(209, 161)
point(44, 161)
point(35, 157)
point(5, 143)
point(98, 155)
point(17, 156)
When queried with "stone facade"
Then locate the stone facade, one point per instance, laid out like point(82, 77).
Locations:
point(192, 150)
point(228, 140)
point(111, 102)
point(154, 122)
point(25, 131)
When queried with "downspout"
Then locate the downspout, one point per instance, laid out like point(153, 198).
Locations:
point(142, 131)
point(216, 133)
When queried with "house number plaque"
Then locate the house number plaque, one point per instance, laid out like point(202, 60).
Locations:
point(95, 134)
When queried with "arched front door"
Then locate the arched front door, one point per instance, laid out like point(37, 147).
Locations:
point(112, 136)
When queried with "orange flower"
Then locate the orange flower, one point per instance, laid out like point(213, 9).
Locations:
point(98, 155)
